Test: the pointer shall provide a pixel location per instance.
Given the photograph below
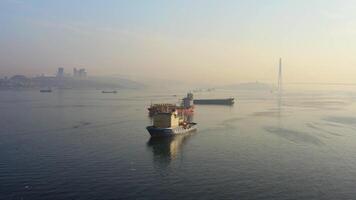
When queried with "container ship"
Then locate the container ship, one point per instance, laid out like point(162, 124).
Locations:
point(109, 91)
point(227, 101)
point(48, 90)
point(185, 108)
point(169, 124)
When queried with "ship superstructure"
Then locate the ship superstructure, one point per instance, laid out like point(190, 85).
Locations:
point(186, 107)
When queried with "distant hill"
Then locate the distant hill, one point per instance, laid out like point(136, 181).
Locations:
point(112, 82)
point(20, 81)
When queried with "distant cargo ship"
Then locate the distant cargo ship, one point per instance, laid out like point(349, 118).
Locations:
point(169, 124)
point(46, 90)
point(227, 101)
point(110, 92)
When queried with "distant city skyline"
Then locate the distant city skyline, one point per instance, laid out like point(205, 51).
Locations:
point(58, 72)
point(195, 41)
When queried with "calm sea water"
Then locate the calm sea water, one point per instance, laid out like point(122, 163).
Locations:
point(87, 145)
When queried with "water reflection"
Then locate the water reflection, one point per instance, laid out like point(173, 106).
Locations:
point(166, 149)
point(279, 106)
point(188, 117)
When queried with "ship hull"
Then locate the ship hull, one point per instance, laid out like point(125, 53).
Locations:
point(167, 132)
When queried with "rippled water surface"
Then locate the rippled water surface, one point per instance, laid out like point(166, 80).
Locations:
point(87, 145)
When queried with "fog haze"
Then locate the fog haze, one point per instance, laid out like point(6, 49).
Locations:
point(191, 41)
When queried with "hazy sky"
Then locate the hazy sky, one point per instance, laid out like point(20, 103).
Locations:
point(210, 41)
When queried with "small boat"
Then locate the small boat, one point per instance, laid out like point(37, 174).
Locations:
point(169, 124)
point(46, 90)
point(109, 92)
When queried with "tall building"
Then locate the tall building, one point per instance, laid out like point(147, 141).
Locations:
point(60, 72)
point(82, 73)
point(75, 72)
point(79, 73)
